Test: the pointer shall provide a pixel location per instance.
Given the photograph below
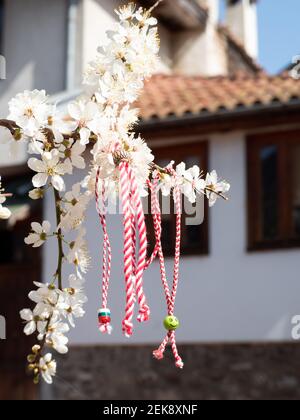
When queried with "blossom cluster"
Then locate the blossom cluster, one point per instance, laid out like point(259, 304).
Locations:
point(55, 149)
point(57, 143)
point(5, 213)
point(191, 183)
point(54, 312)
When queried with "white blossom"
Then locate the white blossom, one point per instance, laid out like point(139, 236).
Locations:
point(78, 254)
point(215, 187)
point(39, 234)
point(76, 289)
point(75, 204)
point(126, 12)
point(83, 113)
point(70, 307)
point(5, 213)
point(36, 320)
point(56, 338)
point(49, 166)
point(29, 110)
point(47, 367)
point(36, 193)
point(73, 154)
point(45, 293)
point(190, 181)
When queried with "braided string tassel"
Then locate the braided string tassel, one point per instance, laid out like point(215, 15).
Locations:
point(128, 248)
point(104, 312)
point(171, 322)
point(156, 222)
point(144, 310)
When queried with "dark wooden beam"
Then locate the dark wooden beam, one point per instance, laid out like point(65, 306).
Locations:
point(222, 122)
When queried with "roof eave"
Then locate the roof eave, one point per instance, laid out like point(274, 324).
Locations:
point(218, 121)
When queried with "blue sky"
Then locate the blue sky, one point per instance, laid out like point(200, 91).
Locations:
point(279, 32)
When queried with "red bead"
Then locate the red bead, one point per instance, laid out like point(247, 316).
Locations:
point(104, 319)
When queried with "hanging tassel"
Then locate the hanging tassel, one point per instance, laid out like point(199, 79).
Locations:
point(137, 206)
point(128, 248)
point(104, 315)
point(171, 323)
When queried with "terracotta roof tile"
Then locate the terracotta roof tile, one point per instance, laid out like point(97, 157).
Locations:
point(166, 95)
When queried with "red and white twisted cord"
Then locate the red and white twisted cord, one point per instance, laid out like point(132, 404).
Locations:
point(128, 248)
point(155, 211)
point(107, 254)
point(177, 200)
point(137, 206)
point(170, 296)
point(156, 214)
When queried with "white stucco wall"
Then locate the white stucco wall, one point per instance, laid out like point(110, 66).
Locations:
point(201, 52)
point(241, 18)
point(229, 295)
point(34, 48)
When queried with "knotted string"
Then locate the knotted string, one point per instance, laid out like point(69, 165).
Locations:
point(139, 266)
point(170, 294)
point(107, 254)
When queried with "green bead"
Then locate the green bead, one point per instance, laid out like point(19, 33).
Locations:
point(171, 323)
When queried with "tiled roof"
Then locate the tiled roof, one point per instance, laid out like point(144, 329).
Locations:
point(177, 96)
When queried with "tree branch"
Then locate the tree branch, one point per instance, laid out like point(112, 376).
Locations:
point(10, 125)
point(58, 273)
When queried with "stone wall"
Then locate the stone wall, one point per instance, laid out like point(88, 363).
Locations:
point(223, 372)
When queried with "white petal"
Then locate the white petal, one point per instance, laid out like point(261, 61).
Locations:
point(90, 110)
point(39, 180)
point(31, 239)
point(75, 111)
point(78, 162)
point(5, 213)
point(85, 136)
point(36, 165)
point(36, 227)
point(39, 243)
point(26, 314)
point(46, 226)
point(58, 183)
point(30, 328)
point(47, 377)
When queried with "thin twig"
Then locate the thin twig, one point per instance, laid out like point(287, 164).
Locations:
point(154, 166)
point(212, 191)
point(154, 6)
point(10, 125)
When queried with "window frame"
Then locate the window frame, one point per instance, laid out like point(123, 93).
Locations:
point(179, 153)
point(284, 140)
point(34, 257)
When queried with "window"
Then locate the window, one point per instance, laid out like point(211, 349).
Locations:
point(13, 250)
point(274, 190)
point(20, 265)
point(194, 237)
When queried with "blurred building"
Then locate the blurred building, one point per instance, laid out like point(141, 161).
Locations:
point(210, 104)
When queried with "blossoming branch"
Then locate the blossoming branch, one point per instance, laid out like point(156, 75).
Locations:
point(121, 166)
